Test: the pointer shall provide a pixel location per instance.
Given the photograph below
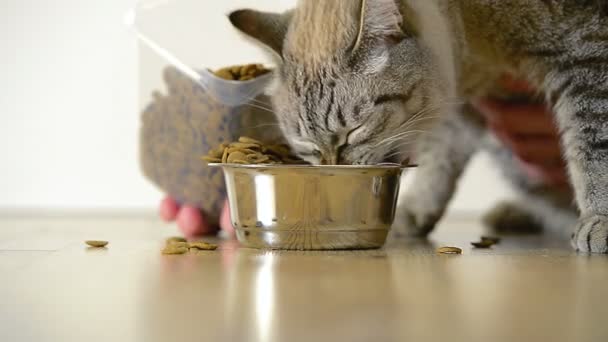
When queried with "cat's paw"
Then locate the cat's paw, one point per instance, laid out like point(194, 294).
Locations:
point(410, 224)
point(591, 234)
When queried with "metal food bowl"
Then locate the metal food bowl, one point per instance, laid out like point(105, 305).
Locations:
point(312, 207)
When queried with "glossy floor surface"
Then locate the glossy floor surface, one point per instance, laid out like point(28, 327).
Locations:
point(525, 289)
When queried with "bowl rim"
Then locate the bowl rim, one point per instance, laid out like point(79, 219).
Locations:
point(386, 166)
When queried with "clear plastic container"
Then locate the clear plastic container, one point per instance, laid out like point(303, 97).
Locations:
point(186, 109)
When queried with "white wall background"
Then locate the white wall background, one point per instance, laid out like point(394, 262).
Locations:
point(72, 76)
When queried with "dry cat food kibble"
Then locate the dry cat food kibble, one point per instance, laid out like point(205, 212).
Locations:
point(486, 242)
point(449, 250)
point(242, 72)
point(251, 151)
point(96, 243)
point(491, 239)
point(171, 249)
point(202, 246)
point(175, 239)
point(482, 244)
point(178, 245)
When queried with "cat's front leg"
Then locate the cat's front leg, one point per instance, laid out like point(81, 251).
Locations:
point(591, 234)
point(441, 155)
point(580, 100)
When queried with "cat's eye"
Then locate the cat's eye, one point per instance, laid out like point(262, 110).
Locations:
point(316, 153)
point(390, 98)
point(350, 135)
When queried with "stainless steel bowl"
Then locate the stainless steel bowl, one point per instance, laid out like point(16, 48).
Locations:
point(312, 207)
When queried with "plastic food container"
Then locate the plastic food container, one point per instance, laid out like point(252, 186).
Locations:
point(186, 109)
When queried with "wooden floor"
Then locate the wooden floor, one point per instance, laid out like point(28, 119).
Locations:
point(55, 289)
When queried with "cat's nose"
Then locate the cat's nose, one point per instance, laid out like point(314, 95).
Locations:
point(330, 159)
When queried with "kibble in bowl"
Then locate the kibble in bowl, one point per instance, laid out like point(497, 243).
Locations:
point(251, 151)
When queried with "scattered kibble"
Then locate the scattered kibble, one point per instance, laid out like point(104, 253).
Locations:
point(175, 239)
point(250, 151)
point(493, 240)
point(242, 72)
point(178, 245)
point(482, 244)
point(96, 243)
point(449, 250)
point(202, 246)
point(171, 249)
point(486, 242)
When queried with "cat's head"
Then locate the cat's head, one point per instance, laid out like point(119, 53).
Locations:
point(352, 86)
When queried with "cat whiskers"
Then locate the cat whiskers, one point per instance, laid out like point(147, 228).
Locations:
point(260, 107)
point(409, 123)
point(398, 137)
point(265, 125)
point(398, 149)
point(414, 119)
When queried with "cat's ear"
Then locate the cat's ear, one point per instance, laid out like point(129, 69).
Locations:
point(268, 28)
point(379, 22)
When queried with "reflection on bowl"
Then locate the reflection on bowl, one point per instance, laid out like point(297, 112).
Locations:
point(312, 207)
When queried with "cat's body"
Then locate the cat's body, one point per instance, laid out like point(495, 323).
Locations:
point(535, 40)
point(360, 80)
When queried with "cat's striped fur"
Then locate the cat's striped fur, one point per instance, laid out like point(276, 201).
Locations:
point(360, 80)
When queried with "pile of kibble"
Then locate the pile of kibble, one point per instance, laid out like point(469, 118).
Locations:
point(241, 72)
point(251, 151)
point(178, 245)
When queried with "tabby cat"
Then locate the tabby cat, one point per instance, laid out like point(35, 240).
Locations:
point(369, 81)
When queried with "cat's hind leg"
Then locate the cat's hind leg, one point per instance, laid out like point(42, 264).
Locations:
point(511, 217)
point(537, 206)
point(532, 213)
